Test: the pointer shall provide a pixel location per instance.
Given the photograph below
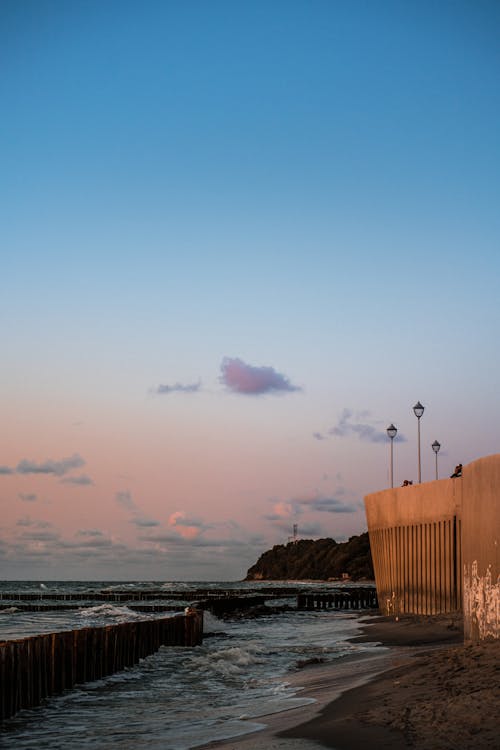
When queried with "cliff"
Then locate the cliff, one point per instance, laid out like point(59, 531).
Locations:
point(320, 559)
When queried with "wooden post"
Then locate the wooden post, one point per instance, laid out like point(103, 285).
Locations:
point(34, 668)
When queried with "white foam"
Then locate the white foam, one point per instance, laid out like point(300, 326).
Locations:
point(112, 612)
point(228, 661)
point(211, 624)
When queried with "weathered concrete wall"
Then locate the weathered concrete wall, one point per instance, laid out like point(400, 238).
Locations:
point(481, 548)
point(436, 547)
point(415, 536)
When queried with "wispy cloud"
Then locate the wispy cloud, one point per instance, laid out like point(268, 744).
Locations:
point(144, 523)
point(162, 389)
point(27, 497)
point(41, 536)
point(163, 538)
point(240, 377)
point(329, 505)
point(202, 542)
point(290, 509)
point(58, 468)
point(92, 542)
point(350, 425)
point(34, 543)
point(82, 480)
point(26, 521)
point(124, 498)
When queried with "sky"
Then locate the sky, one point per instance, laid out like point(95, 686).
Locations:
point(239, 239)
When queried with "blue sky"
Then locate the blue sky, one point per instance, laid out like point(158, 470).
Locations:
point(308, 189)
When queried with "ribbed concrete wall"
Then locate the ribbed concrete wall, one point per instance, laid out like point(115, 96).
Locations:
point(415, 537)
point(436, 547)
point(481, 548)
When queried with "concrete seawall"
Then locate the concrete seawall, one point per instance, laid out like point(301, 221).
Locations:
point(415, 539)
point(481, 548)
point(435, 547)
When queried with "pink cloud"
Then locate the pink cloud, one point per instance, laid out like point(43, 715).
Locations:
point(186, 527)
point(241, 377)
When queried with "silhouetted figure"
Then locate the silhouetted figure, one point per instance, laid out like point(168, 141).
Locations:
point(457, 472)
point(406, 483)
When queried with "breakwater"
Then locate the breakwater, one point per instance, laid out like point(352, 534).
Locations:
point(356, 598)
point(221, 602)
point(36, 667)
point(127, 595)
point(435, 547)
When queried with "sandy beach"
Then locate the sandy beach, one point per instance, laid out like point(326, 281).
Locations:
point(426, 691)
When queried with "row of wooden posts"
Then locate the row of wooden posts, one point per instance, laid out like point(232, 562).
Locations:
point(356, 598)
point(70, 606)
point(34, 668)
point(221, 606)
point(142, 595)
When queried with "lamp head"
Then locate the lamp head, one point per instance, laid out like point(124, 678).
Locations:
point(436, 446)
point(418, 409)
point(392, 431)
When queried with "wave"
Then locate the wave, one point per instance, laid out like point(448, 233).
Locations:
point(228, 662)
point(211, 623)
point(112, 612)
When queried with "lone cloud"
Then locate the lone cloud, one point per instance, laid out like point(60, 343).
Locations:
point(240, 377)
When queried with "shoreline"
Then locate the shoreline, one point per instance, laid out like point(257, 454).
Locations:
point(446, 698)
point(425, 689)
point(319, 685)
point(322, 685)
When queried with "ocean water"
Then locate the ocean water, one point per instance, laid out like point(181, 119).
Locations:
point(178, 698)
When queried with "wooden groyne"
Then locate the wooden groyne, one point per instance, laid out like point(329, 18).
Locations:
point(71, 606)
point(34, 668)
point(223, 606)
point(121, 595)
point(220, 602)
point(355, 598)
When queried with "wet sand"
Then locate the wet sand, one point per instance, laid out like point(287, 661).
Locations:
point(319, 685)
point(427, 691)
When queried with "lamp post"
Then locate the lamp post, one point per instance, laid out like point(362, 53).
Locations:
point(435, 447)
point(418, 410)
point(391, 434)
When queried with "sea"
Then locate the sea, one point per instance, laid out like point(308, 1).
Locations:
point(178, 698)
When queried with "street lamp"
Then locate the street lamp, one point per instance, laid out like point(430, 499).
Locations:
point(435, 447)
point(391, 433)
point(418, 410)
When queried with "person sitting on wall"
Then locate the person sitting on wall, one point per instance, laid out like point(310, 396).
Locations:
point(457, 472)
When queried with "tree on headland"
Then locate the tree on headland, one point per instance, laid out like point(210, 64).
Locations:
point(320, 559)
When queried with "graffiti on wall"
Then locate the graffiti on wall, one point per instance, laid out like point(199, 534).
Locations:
point(481, 602)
